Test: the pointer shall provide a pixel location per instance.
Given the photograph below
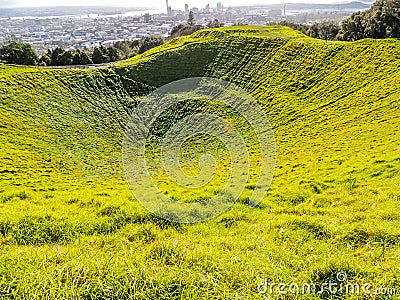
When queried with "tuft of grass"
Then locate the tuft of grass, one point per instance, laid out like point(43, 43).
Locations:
point(351, 183)
point(231, 220)
point(318, 231)
point(72, 201)
point(110, 211)
point(33, 230)
point(361, 237)
point(145, 235)
point(165, 254)
point(21, 195)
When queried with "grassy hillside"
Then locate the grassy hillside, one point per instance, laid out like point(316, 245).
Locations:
point(70, 227)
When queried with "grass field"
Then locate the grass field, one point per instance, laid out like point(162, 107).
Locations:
point(70, 228)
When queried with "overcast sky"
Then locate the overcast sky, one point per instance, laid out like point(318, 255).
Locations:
point(158, 4)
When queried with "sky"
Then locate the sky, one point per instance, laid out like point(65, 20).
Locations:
point(157, 4)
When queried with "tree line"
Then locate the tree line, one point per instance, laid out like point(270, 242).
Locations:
point(382, 20)
point(17, 52)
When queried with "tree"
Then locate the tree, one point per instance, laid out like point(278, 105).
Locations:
point(81, 58)
point(56, 56)
point(61, 57)
point(382, 20)
point(150, 43)
point(114, 54)
point(16, 52)
point(214, 24)
point(182, 30)
point(77, 59)
point(100, 55)
point(324, 31)
point(191, 19)
point(85, 59)
point(352, 29)
point(45, 60)
point(67, 58)
point(128, 48)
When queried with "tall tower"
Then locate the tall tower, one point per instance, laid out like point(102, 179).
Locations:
point(219, 7)
point(169, 9)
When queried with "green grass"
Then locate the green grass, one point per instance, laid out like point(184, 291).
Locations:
point(71, 228)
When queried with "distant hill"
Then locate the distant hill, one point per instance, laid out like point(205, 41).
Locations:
point(64, 11)
point(354, 5)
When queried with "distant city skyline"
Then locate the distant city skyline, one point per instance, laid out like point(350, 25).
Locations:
point(156, 4)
